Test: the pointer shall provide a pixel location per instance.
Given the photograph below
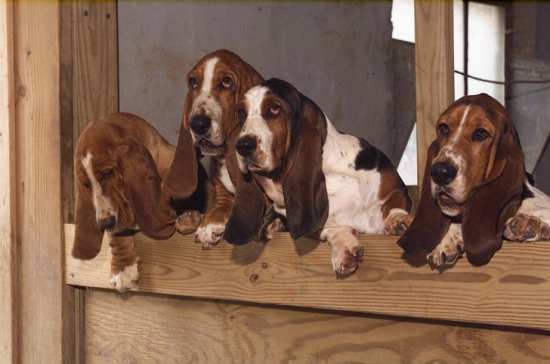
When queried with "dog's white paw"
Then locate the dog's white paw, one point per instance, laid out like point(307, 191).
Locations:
point(345, 260)
point(126, 279)
point(446, 253)
point(188, 222)
point(210, 234)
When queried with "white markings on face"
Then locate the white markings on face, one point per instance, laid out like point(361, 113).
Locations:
point(255, 125)
point(457, 188)
point(206, 104)
point(103, 205)
point(461, 126)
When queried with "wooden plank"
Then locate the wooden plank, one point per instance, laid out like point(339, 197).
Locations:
point(89, 90)
point(152, 329)
point(8, 239)
point(95, 61)
point(89, 76)
point(43, 302)
point(434, 70)
point(514, 289)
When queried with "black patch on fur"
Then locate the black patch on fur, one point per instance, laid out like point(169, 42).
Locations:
point(530, 178)
point(370, 158)
point(269, 217)
point(526, 193)
point(198, 200)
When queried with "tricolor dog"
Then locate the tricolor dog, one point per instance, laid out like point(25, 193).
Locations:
point(475, 189)
point(119, 164)
point(215, 85)
point(322, 180)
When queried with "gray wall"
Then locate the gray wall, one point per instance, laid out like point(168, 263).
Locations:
point(339, 54)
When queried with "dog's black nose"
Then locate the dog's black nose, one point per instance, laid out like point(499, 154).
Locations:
point(246, 145)
point(108, 223)
point(443, 173)
point(200, 124)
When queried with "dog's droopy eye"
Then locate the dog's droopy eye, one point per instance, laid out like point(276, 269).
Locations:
point(193, 82)
point(480, 135)
point(106, 174)
point(443, 129)
point(227, 82)
point(274, 110)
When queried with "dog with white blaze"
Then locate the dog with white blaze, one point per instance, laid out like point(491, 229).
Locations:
point(119, 165)
point(215, 85)
point(327, 184)
point(475, 190)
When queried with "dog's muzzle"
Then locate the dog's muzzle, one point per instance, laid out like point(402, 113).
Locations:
point(200, 124)
point(107, 223)
point(246, 145)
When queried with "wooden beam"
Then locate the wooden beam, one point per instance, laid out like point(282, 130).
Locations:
point(89, 90)
point(434, 70)
point(8, 239)
point(43, 302)
point(146, 328)
point(89, 76)
point(514, 289)
point(95, 61)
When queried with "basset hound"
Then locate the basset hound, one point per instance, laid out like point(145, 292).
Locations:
point(475, 189)
point(215, 85)
point(119, 164)
point(322, 180)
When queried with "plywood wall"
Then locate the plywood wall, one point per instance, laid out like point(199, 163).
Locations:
point(338, 53)
point(150, 329)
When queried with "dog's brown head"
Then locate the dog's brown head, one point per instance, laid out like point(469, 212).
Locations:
point(215, 85)
point(282, 138)
point(475, 173)
point(117, 187)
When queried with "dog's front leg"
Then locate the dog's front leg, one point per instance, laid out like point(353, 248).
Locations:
point(532, 221)
point(124, 263)
point(213, 223)
point(346, 250)
point(449, 250)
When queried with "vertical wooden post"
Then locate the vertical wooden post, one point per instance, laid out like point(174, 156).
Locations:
point(44, 304)
point(434, 70)
point(89, 90)
point(8, 239)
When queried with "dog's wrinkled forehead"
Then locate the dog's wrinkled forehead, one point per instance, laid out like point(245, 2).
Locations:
point(254, 99)
point(470, 108)
point(203, 74)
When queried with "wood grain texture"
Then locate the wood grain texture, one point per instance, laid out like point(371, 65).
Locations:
point(434, 70)
point(89, 90)
point(95, 61)
point(514, 289)
point(41, 293)
point(89, 77)
point(8, 239)
point(151, 329)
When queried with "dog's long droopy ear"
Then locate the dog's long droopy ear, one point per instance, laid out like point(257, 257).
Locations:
point(429, 224)
point(181, 180)
point(250, 203)
point(151, 207)
point(88, 236)
point(304, 188)
point(495, 201)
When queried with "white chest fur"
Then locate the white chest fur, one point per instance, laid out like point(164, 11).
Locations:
point(353, 194)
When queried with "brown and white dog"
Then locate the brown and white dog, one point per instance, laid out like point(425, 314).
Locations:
point(216, 83)
point(119, 164)
point(320, 179)
point(475, 189)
